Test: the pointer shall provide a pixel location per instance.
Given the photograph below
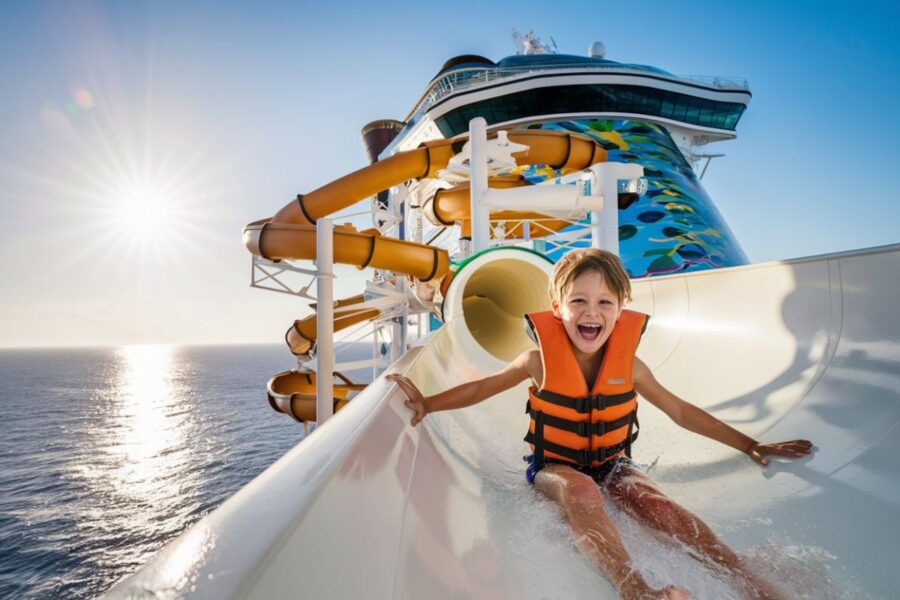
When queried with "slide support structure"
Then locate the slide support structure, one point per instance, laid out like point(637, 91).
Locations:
point(605, 223)
point(325, 310)
point(478, 177)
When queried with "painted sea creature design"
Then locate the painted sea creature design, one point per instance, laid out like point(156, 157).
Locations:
point(675, 226)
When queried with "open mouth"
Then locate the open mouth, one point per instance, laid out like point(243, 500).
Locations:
point(589, 332)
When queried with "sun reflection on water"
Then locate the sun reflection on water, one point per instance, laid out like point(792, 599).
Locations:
point(140, 460)
point(149, 423)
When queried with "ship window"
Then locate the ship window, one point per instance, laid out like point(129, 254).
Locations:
point(594, 98)
point(693, 113)
point(667, 107)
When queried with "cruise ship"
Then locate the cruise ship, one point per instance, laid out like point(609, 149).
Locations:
point(499, 169)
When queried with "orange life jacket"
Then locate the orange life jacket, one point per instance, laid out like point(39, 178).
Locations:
point(569, 423)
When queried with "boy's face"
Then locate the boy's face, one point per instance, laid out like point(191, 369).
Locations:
point(588, 312)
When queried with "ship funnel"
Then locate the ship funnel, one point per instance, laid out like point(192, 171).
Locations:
point(489, 296)
point(378, 134)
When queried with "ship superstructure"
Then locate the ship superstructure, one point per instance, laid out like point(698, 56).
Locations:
point(639, 114)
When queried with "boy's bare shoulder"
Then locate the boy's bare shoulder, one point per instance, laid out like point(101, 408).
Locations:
point(640, 371)
point(531, 362)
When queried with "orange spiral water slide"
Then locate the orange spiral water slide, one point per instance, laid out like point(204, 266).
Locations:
point(291, 235)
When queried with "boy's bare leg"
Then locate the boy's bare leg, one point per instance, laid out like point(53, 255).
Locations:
point(595, 534)
point(635, 493)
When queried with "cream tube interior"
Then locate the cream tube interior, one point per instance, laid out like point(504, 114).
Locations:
point(492, 293)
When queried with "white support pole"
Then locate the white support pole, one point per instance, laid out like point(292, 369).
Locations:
point(377, 343)
point(325, 320)
point(402, 283)
point(396, 340)
point(424, 324)
point(398, 326)
point(478, 178)
point(598, 236)
point(605, 223)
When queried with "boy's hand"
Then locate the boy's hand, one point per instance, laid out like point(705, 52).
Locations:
point(792, 449)
point(414, 398)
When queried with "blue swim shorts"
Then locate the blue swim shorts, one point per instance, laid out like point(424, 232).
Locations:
point(599, 474)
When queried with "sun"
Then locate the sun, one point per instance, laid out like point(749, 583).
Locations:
point(144, 210)
point(144, 206)
point(141, 190)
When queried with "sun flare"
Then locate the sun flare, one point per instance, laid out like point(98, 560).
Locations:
point(139, 190)
point(144, 210)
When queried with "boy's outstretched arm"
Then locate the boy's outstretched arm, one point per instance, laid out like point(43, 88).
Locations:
point(471, 392)
point(699, 421)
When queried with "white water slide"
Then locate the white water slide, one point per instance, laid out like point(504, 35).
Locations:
point(369, 507)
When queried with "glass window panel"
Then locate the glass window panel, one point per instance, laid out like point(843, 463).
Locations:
point(596, 98)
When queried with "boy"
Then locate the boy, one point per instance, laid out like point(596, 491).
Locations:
point(583, 420)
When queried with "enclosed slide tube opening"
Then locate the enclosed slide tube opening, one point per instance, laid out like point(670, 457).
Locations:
point(370, 507)
point(491, 293)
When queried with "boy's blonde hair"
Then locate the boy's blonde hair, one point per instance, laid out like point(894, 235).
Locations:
point(578, 262)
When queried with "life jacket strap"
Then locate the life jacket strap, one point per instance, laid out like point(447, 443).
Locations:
point(583, 458)
point(586, 429)
point(585, 404)
point(538, 440)
point(633, 429)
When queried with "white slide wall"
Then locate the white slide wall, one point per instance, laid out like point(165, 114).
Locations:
point(369, 507)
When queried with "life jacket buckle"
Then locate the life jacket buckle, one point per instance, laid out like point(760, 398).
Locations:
point(584, 405)
point(585, 458)
point(598, 402)
point(583, 428)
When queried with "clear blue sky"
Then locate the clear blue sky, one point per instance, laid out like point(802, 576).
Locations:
point(229, 109)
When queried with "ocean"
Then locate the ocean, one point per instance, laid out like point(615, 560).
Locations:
point(108, 454)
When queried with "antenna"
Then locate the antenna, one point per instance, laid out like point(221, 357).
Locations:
point(531, 43)
point(517, 40)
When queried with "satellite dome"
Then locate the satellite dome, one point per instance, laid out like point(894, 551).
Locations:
point(597, 50)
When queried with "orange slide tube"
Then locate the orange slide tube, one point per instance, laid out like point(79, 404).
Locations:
point(278, 241)
point(291, 234)
point(561, 150)
point(303, 333)
point(294, 393)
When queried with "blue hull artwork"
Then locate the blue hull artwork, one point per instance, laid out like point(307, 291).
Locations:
point(674, 227)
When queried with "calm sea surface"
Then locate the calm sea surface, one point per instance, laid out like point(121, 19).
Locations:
point(107, 454)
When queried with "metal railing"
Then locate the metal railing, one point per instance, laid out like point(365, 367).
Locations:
point(467, 78)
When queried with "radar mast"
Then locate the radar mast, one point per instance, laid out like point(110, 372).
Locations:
point(531, 43)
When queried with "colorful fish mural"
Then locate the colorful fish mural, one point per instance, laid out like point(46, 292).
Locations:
point(674, 227)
